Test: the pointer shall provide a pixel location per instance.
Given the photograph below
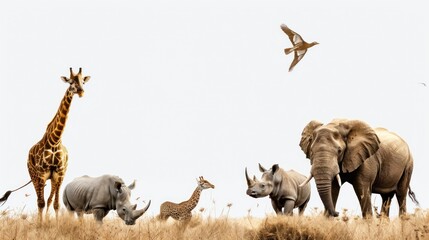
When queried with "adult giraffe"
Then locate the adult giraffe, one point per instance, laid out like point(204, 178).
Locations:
point(47, 159)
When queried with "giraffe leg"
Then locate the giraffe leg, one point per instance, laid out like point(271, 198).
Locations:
point(57, 196)
point(39, 185)
point(186, 219)
point(163, 217)
point(56, 180)
point(55, 187)
point(164, 211)
point(51, 195)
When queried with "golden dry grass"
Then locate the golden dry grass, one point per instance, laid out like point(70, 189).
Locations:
point(414, 226)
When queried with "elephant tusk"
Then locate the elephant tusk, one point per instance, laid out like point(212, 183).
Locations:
point(338, 179)
point(306, 180)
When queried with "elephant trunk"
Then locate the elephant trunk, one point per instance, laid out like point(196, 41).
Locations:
point(324, 169)
point(324, 188)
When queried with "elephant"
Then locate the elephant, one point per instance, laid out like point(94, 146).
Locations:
point(282, 187)
point(372, 160)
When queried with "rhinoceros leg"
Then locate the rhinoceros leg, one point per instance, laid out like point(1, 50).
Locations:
point(276, 207)
point(302, 207)
point(79, 215)
point(288, 208)
point(99, 214)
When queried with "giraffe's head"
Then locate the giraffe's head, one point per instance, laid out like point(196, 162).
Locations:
point(76, 82)
point(204, 184)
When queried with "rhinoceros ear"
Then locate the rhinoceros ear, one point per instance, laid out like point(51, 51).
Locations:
point(261, 168)
point(118, 186)
point(274, 168)
point(132, 185)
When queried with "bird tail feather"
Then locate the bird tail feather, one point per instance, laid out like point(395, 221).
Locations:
point(288, 50)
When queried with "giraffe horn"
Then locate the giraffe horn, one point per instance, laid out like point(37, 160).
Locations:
point(80, 71)
point(71, 72)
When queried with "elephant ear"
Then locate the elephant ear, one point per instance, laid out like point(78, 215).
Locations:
point(306, 136)
point(361, 141)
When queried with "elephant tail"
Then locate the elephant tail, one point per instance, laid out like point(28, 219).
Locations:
point(413, 197)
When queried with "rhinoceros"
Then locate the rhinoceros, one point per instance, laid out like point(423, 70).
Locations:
point(282, 187)
point(99, 195)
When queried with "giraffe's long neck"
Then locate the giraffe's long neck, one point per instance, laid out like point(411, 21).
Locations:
point(56, 127)
point(193, 201)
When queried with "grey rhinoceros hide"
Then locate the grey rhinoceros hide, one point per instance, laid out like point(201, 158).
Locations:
point(99, 195)
point(282, 187)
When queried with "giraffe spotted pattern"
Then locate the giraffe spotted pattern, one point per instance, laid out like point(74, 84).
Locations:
point(182, 211)
point(48, 158)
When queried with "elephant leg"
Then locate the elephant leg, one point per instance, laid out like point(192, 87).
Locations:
point(303, 206)
point(288, 207)
point(401, 191)
point(364, 196)
point(386, 201)
point(402, 202)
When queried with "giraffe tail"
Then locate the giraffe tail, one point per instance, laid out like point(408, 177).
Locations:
point(6, 195)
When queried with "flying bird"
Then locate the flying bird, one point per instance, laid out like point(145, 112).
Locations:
point(299, 45)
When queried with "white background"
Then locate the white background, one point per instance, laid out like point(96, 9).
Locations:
point(181, 89)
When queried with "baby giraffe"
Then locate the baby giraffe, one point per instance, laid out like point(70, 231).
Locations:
point(182, 211)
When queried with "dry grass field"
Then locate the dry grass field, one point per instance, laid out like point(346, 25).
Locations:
point(22, 226)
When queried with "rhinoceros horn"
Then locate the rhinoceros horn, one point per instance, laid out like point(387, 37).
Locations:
point(250, 182)
point(138, 213)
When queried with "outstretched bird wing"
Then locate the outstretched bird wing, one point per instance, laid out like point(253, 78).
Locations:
point(299, 54)
point(294, 37)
